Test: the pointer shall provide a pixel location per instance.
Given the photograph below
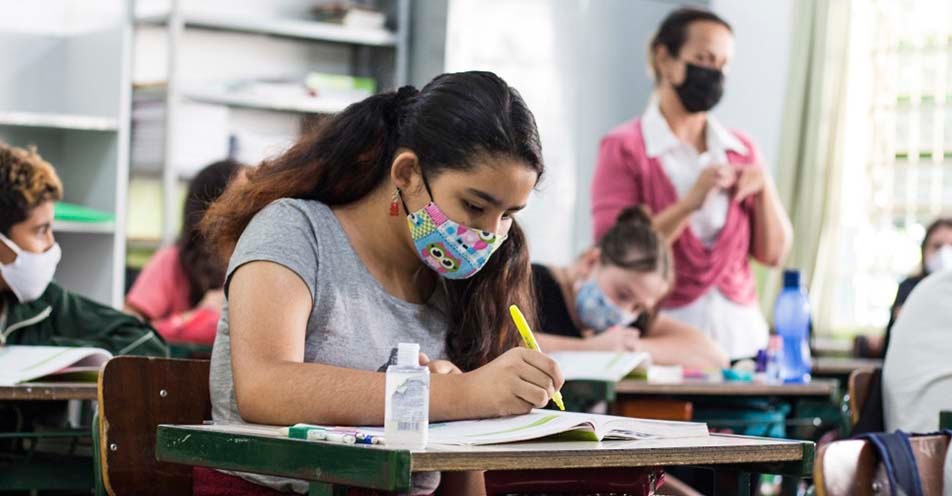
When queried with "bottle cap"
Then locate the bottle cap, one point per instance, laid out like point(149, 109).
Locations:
point(791, 279)
point(408, 355)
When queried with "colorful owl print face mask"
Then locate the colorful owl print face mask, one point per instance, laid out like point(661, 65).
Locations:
point(453, 250)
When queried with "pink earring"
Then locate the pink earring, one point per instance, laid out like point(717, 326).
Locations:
point(395, 203)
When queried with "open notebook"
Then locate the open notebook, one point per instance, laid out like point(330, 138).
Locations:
point(50, 363)
point(564, 425)
point(600, 365)
point(551, 424)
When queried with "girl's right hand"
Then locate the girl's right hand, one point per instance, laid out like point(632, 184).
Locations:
point(514, 383)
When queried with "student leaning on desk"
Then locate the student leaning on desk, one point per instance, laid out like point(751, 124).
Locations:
point(606, 300)
point(33, 309)
point(392, 222)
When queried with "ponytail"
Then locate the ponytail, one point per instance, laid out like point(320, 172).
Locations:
point(633, 243)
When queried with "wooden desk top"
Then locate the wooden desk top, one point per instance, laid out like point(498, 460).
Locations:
point(817, 388)
point(50, 391)
point(261, 449)
point(844, 366)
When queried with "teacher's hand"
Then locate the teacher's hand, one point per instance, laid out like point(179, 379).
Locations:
point(712, 178)
point(750, 182)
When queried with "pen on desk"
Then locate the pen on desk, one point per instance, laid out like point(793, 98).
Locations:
point(523, 326)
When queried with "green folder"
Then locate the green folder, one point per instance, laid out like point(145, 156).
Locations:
point(69, 212)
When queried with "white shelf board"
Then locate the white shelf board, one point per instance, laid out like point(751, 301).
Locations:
point(58, 121)
point(288, 28)
point(84, 227)
point(315, 105)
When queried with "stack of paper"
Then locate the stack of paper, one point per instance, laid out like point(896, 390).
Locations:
point(201, 134)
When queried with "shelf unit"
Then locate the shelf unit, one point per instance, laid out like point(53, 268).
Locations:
point(287, 28)
point(261, 102)
point(59, 121)
point(253, 40)
point(66, 90)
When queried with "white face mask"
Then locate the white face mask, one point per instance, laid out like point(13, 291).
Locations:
point(30, 274)
point(940, 260)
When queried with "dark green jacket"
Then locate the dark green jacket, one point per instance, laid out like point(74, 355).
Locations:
point(61, 318)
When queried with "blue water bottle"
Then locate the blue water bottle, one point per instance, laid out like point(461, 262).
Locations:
point(792, 321)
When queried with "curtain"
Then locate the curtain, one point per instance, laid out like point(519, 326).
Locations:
point(809, 172)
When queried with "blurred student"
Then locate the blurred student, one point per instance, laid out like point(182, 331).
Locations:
point(180, 290)
point(936, 255)
point(606, 300)
point(34, 310)
point(917, 374)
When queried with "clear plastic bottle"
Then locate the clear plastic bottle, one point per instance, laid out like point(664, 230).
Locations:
point(407, 407)
point(792, 320)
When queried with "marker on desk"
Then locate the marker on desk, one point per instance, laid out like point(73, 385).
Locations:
point(530, 342)
point(329, 434)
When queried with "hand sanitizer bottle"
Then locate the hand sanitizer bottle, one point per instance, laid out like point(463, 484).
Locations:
point(407, 414)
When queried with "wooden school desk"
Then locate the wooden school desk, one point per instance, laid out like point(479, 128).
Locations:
point(814, 407)
point(842, 367)
point(39, 471)
point(51, 391)
point(577, 392)
point(262, 450)
point(815, 389)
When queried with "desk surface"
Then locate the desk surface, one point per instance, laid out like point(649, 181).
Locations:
point(817, 388)
point(844, 366)
point(261, 449)
point(50, 391)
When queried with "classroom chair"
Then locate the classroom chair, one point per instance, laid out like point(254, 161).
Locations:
point(865, 392)
point(852, 467)
point(136, 394)
point(859, 389)
point(655, 408)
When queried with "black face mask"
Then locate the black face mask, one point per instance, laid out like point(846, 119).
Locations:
point(702, 88)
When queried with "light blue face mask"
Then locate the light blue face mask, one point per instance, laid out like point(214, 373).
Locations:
point(597, 311)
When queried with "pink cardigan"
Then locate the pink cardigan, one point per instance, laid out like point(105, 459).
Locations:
point(625, 176)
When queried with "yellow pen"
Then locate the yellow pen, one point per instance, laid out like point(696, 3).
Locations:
point(531, 343)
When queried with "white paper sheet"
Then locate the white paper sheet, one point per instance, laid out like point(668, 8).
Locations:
point(599, 365)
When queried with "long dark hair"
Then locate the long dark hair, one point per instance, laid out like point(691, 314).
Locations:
point(202, 268)
point(673, 32)
point(452, 120)
point(942, 222)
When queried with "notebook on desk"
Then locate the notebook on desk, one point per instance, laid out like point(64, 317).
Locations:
point(50, 363)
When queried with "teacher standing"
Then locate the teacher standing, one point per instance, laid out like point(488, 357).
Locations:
point(704, 184)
